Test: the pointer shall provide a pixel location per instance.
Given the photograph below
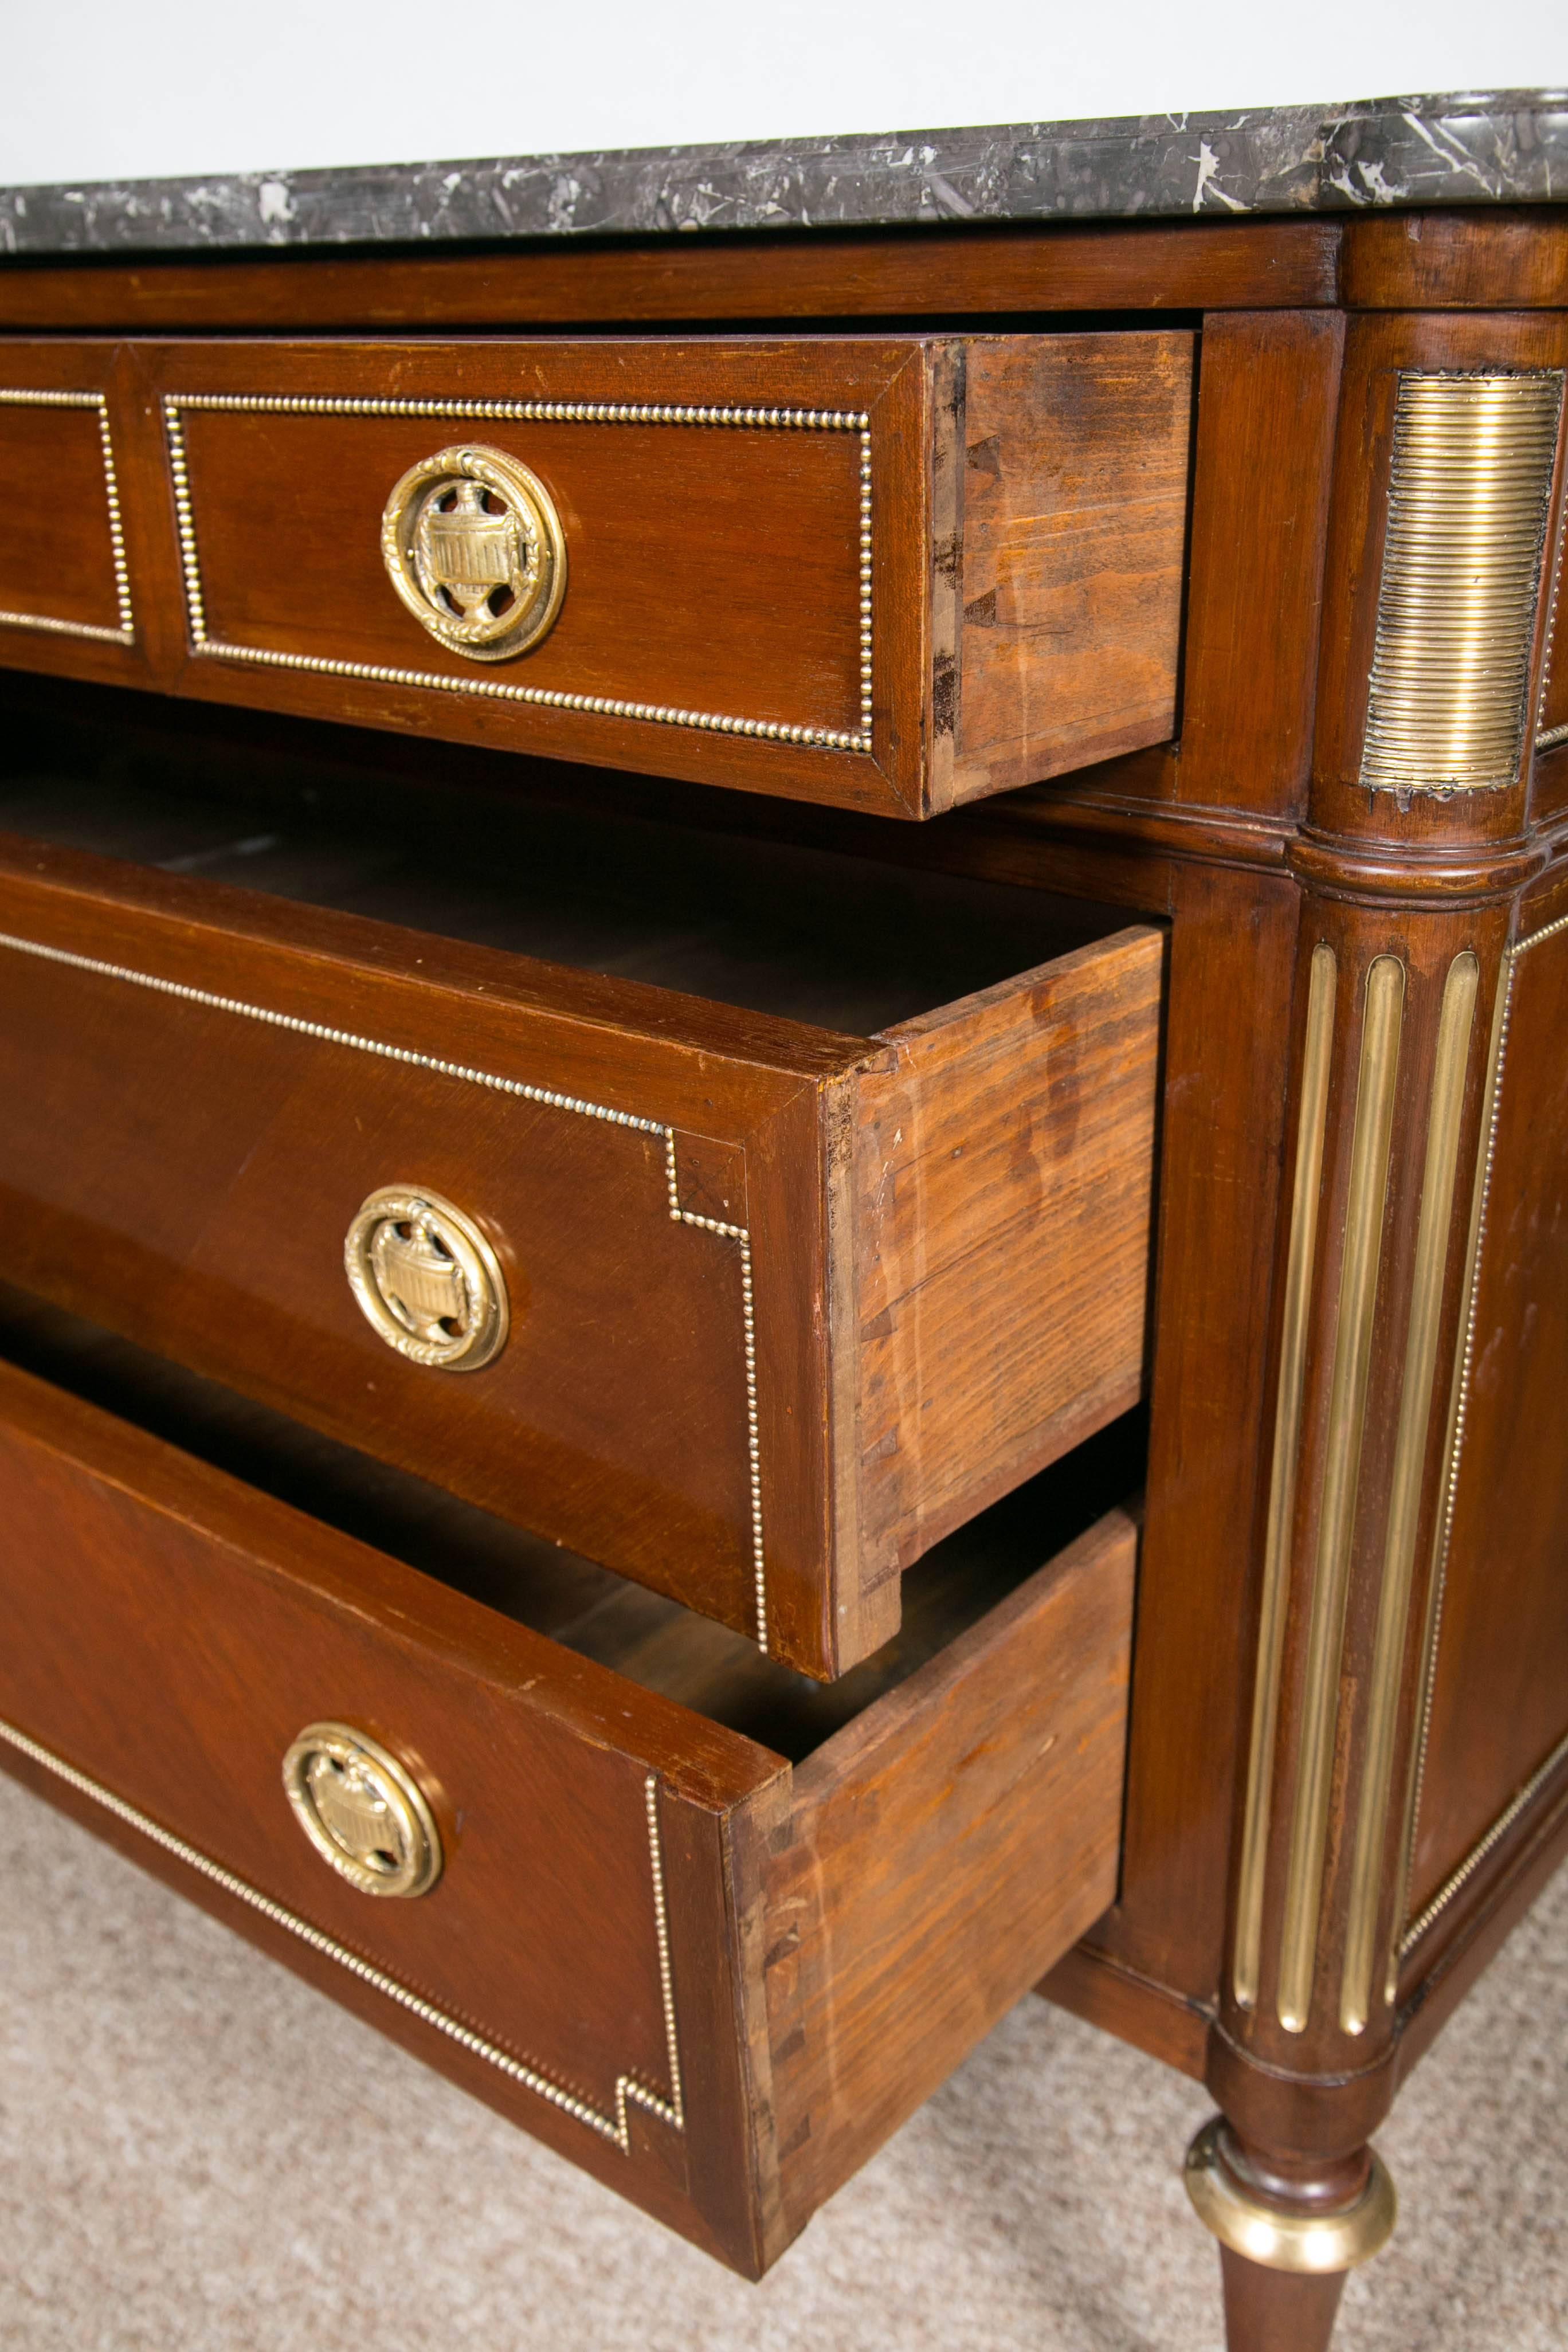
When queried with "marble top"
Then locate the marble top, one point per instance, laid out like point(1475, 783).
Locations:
point(1482, 147)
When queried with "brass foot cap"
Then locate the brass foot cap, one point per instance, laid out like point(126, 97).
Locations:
point(1279, 2240)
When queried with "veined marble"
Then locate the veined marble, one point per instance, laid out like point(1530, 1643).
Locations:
point(1497, 147)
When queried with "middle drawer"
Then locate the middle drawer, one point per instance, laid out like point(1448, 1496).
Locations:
point(750, 1309)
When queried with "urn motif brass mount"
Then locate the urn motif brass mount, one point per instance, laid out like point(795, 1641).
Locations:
point(427, 1280)
point(474, 547)
point(362, 1811)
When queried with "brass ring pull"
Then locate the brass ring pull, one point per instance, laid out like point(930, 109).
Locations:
point(361, 1810)
point(427, 1280)
point(473, 545)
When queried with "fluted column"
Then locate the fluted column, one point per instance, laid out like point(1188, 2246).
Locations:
point(1448, 475)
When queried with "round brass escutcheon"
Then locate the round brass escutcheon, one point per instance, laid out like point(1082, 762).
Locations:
point(361, 1810)
point(473, 545)
point(427, 1280)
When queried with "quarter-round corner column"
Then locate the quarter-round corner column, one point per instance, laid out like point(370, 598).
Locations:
point(1418, 848)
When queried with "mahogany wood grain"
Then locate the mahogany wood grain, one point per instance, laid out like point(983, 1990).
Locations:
point(1210, 830)
point(1264, 463)
point(651, 1640)
point(57, 557)
point(234, 1622)
point(60, 600)
point(1278, 2311)
point(713, 625)
point(1552, 703)
point(1502, 259)
point(901, 1874)
point(922, 273)
point(1499, 1702)
point(1230, 992)
point(1445, 1968)
point(1134, 2008)
point(237, 1145)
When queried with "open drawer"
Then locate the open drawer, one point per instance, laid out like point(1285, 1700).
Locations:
point(888, 572)
point(751, 1293)
point(716, 1981)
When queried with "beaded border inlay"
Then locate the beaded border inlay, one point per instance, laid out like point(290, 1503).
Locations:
point(533, 412)
point(544, 1095)
point(125, 634)
point(1460, 1877)
point(629, 2091)
point(1548, 739)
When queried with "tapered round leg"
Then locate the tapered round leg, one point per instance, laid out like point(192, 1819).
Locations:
point(1287, 2234)
point(1277, 2311)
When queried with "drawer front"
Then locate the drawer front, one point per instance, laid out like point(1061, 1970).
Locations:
point(171, 1633)
point(607, 1873)
point(66, 598)
point(886, 573)
point(741, 1363)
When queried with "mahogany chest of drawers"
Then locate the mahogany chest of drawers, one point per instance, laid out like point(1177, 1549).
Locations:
point(678, 1436)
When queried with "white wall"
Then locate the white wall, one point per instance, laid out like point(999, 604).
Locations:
point(104, 88)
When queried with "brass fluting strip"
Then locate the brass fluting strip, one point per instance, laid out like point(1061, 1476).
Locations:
point(1299, 1263)
point(1341, 1473)
point(1469, 488)
point(1454, 1024)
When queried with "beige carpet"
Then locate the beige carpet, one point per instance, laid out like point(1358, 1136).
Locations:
point(195, 2150)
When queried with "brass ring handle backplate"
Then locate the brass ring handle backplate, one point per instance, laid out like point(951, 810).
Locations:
point(362, 1811)
point(473, 545)
point(427, 1280)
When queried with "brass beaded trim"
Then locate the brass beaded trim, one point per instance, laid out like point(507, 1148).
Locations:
point(550, 1101)
point(1547, 738)
point(1459, 1879)
point(1458, 1416)
point(125, 634)
point(629, 2091)
point(547, 412)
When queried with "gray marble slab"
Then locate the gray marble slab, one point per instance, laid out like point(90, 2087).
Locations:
point(1497, 147)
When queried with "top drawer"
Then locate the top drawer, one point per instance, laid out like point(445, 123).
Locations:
point(889, 573)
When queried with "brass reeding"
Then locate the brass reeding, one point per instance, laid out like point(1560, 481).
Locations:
point(1302, 1257)
point(1455, 1022)
point(1364, 1207)
point(1469, 490)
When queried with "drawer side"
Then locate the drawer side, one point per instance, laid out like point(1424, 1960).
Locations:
point(1060, 628)
point(1003, 1180)
point(944, 1850)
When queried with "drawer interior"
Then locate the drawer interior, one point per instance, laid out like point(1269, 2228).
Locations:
point(822, 1181)
point(752, 919)
point(652, 1641)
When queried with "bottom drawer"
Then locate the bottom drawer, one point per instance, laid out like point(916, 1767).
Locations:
point(715, 1974)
